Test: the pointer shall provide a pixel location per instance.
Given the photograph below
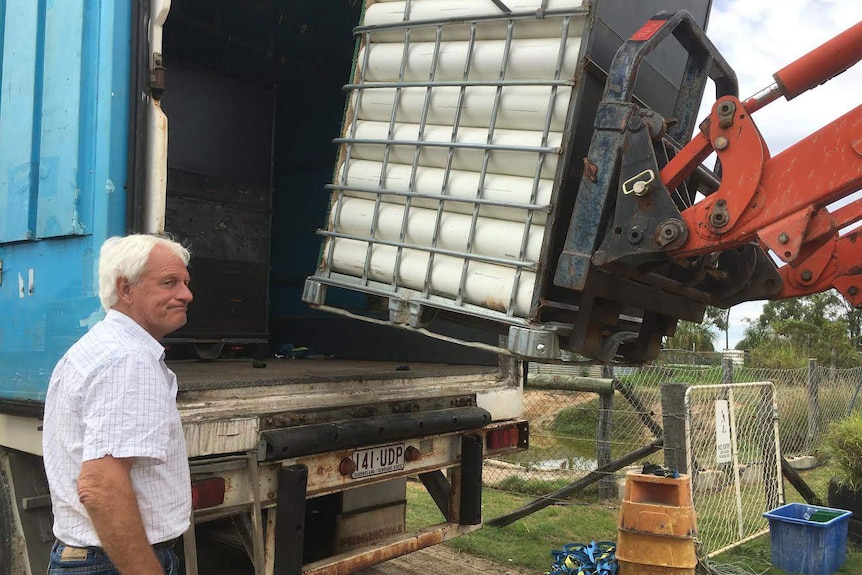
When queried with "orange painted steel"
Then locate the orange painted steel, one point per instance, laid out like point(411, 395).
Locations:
point(757, 190)
point(837, 263)
point(781, 201)
point(822, 63)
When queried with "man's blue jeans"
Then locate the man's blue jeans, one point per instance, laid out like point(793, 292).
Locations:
point(96, 561)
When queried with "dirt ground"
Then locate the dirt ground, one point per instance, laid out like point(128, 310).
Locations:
point(440, 560)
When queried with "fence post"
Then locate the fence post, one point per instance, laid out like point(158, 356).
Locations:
point(673, 420)
point(769, 454)
point(726, 371)
point(813, 405)
point(607, 486)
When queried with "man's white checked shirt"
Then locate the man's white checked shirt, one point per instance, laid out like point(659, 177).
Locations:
point(112, 394)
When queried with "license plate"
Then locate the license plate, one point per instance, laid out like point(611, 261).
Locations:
point(378, 460)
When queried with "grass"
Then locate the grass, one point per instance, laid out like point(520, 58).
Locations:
point(529, 541)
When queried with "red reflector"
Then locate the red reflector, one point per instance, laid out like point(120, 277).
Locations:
point(502, 438)
point(207, 492)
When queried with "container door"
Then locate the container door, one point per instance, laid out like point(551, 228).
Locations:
point(64, 102)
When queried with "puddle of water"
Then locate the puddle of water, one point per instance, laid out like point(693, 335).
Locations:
point(559, 454)
point(568, 464)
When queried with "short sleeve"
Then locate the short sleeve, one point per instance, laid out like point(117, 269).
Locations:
point(125, 411)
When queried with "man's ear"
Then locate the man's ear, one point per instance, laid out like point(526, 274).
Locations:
point(124, 290)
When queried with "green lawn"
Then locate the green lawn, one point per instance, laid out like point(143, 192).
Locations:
point(529, 541)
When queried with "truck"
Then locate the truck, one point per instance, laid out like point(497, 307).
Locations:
point(511, 181)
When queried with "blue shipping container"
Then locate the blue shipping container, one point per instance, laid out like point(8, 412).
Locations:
point(64, 122)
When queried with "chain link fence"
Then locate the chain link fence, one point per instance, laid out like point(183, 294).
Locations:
point(583, 417)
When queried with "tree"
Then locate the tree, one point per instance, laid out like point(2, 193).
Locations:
point(788, 332)
point(720, 320)
point(693, 337)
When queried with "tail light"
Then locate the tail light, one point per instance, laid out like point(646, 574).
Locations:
point(208, 492)
point(515, 435)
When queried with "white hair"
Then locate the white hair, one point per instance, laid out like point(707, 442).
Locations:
point(126, 257)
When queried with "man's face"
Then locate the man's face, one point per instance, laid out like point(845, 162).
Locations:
point(159, 300)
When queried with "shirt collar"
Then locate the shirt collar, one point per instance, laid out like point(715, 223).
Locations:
point(136, 331)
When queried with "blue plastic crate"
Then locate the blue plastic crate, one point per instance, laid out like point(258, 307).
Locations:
point(808, 539)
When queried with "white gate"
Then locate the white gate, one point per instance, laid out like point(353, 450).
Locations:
point(734, 458)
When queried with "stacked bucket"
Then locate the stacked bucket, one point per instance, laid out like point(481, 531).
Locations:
point(657, 526)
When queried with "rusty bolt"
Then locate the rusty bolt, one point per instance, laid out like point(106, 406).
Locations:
point(720, 143)
point(807, 275)
point(347, 466)
point(783, 238)
point(853, 290)
point(726, 108)
point(270, 494)
point(412, 454)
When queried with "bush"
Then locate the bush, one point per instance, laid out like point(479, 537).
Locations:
point(843, 444)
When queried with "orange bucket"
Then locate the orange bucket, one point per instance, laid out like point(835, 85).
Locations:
point(656, 551)
point(657, 519)
point(675, 492)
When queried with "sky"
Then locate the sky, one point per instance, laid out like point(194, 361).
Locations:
point(758, 38)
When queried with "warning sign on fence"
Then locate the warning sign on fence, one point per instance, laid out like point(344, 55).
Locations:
point(722, 432)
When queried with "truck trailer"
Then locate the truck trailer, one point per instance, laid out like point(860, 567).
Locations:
point(391, 206)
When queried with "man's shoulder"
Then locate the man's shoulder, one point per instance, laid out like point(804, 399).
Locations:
point(105, 343)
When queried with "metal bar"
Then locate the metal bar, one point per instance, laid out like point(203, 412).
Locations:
point(432, 144)
point(580, 484)
point(439, 489)
point(439, 302)
point(450, 155)
point(467, 256)
point(471, 480)
point(426, 104)
point(36, 502)
point(256, 517)
point(492, 124)
point(510, 308)
point(770, 451)
point(775, 433)
point(431, 334)
point(457, 84)
point(528, 15)
point(480, 201)
point(388, 150)
point(269, 556)
point(737, 543)
point(290, 519)
point(363, 557)
point(190, 548)
point(734, 449)
point(347, 149)
point(571, 383)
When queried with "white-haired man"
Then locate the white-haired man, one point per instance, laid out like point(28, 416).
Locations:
point(114, 450)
